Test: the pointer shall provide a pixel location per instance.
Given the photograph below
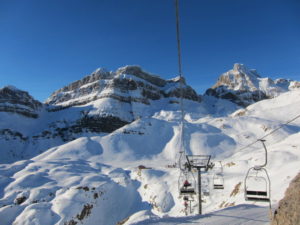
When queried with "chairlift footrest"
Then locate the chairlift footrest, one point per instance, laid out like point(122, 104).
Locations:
point(259, 193)
point(258, 199)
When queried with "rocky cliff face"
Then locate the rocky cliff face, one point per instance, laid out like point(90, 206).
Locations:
point(288, 211)
point(109, 100)
point(127, 84)
point(99, 103)
point(16, 101)
point(244, 86)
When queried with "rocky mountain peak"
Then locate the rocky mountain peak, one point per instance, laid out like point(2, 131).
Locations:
point(239, 78)
point(241, 68)
point(126, 84)
point(138, 72)
point(15, 100)
point(245, 86)
point(11, 87)
point(238, 67)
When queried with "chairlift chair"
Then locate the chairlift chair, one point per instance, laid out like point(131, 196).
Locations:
point(187, 183)
point(218, 181)
point(218, 178)
point(257, 185)
point(257, 181)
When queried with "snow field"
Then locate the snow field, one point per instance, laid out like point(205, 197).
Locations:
point(96, 180)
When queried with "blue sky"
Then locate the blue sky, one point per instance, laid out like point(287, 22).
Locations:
point(46, 44)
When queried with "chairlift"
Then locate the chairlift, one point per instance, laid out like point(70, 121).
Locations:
point(218, 178)
point(257, 182)
point(187, 183)
point(257, 185)
point(205, 186)
point(218, 181)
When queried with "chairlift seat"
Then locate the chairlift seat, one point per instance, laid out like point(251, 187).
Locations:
point(258, 199)
point(259, 193)
point(260, 196)
point(187, 191)
point(218, 186)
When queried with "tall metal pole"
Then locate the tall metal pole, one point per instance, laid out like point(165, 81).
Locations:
point(199, 191)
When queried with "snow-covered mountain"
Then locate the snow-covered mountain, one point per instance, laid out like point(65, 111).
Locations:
point(128, 84)
point(244, 86)
point(99, 103)
point(17, 101)
point(79, 167)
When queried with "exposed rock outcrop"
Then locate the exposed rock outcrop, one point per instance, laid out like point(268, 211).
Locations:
point(128, 84)
point(288, 211)
point(17, 101)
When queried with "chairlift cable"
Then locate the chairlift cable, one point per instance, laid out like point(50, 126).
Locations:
point(273, 131)
point(178, 40)
point(182, 147)
point(179, 62)
point(186, 182)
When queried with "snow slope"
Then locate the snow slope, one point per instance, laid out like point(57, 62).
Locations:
point(98, 103)
point(96, 179)
point(237, 215)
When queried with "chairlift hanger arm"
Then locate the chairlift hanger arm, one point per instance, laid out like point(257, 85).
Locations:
point(266, 155)
point(266, 152)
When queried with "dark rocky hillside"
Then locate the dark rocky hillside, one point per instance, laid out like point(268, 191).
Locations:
point(288, 211)
point(14, 100)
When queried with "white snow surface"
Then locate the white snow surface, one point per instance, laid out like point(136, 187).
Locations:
point(96, 179)
point(237, 215)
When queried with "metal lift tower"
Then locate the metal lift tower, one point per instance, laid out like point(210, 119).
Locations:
point(199, 162)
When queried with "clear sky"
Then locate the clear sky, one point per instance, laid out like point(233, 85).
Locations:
point(46, 44)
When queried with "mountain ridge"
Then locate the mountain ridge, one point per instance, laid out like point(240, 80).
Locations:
point(79, 164)
point(127, 84)
point(86, 179)
point(103, 102)
point(245, 86)
point(14, 100)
